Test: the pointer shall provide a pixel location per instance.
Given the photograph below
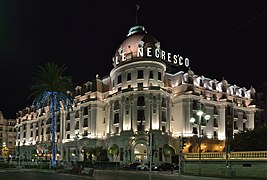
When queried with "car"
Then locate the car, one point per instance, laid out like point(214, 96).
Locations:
point(166, 166)
point(142, 167)
point(131, 166)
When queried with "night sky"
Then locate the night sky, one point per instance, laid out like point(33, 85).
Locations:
point(221, 39)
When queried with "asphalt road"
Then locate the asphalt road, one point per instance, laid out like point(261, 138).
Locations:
point(21, 174)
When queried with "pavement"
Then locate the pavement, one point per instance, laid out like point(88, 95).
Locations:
point(98, 173)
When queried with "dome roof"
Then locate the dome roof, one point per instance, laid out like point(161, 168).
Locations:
point(137, 37)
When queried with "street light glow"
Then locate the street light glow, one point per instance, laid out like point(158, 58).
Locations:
point(192, 120)
point(200, 112)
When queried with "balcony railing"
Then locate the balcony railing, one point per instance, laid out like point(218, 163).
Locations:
point(248, 155)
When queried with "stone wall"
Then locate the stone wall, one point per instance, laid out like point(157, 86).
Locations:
point(236, 168)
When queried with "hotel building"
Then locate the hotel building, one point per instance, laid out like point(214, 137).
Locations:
point(140, 96)
point(7, 137)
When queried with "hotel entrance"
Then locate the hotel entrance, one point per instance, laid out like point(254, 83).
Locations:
point(140, 152)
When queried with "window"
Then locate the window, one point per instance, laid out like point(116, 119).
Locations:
point(140, 74)
point(116, 130)
point(235, 125)
point(116, 118)
point(163, 102)
point(244, 126)
point(128, 76)
point(163, 128)
point(116, 105)
point(77, 114)
point(215, 134)
point(159, 76)
point(77, 125)
point(68, 136)
point(68, 116)
point(85, 111)
point(141, 101)
point(140, 86)
point(194, 130)
point(164, 118)
point(119, 79)
point(140, 115)
point(215, 122)
point(85, 122)
point(150, 74)
point(68, 127)
point(119, 89)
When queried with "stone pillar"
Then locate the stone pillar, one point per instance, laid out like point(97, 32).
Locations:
point(240, 121)
point(158, 113)
point(93, 119)
point(168, 112)
point(121, 115)
point(66, 158)
point(186, 111)
point(34, 132)
point(250, 120)
point(134, 114)
point(221, 122)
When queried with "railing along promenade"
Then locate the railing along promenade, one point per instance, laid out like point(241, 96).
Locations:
point(245, 155)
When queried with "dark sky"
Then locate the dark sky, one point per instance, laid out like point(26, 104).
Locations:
point(221, 39)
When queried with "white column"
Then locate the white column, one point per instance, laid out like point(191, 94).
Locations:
point(134, 114)
point(221, 122)
point(158, 113)
point(94, 119)
point(121, 114)
point(168, 112)
point(250, 119)
point(240, 121)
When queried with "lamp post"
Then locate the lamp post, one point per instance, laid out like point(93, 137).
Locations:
point(200, 114)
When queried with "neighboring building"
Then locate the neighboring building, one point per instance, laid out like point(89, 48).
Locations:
point(140, 96)
point(7, 137)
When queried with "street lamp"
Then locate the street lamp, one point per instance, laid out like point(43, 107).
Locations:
point(200, 114)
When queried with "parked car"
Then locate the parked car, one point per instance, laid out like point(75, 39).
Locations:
point(142, 167)
point(166, 166)
point(131, 166)
point(146, 166)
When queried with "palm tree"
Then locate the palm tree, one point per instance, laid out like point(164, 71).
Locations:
point(50, 89)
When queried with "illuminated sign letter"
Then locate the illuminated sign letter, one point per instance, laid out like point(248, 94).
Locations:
point(169, 57)
point(115, 60)
point(186, 62)
point(163, 55)
point(157, 53)
point(148, 52)
point(175, 59)
point(123, 58)
point(180, 60)
point(140, 52)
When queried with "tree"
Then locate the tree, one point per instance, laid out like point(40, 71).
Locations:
point(250, 140)
point(50, 89)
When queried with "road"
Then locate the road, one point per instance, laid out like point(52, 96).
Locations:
point(22, 174)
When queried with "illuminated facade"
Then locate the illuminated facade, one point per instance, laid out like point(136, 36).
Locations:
point(7, 137)
point(140, 96)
